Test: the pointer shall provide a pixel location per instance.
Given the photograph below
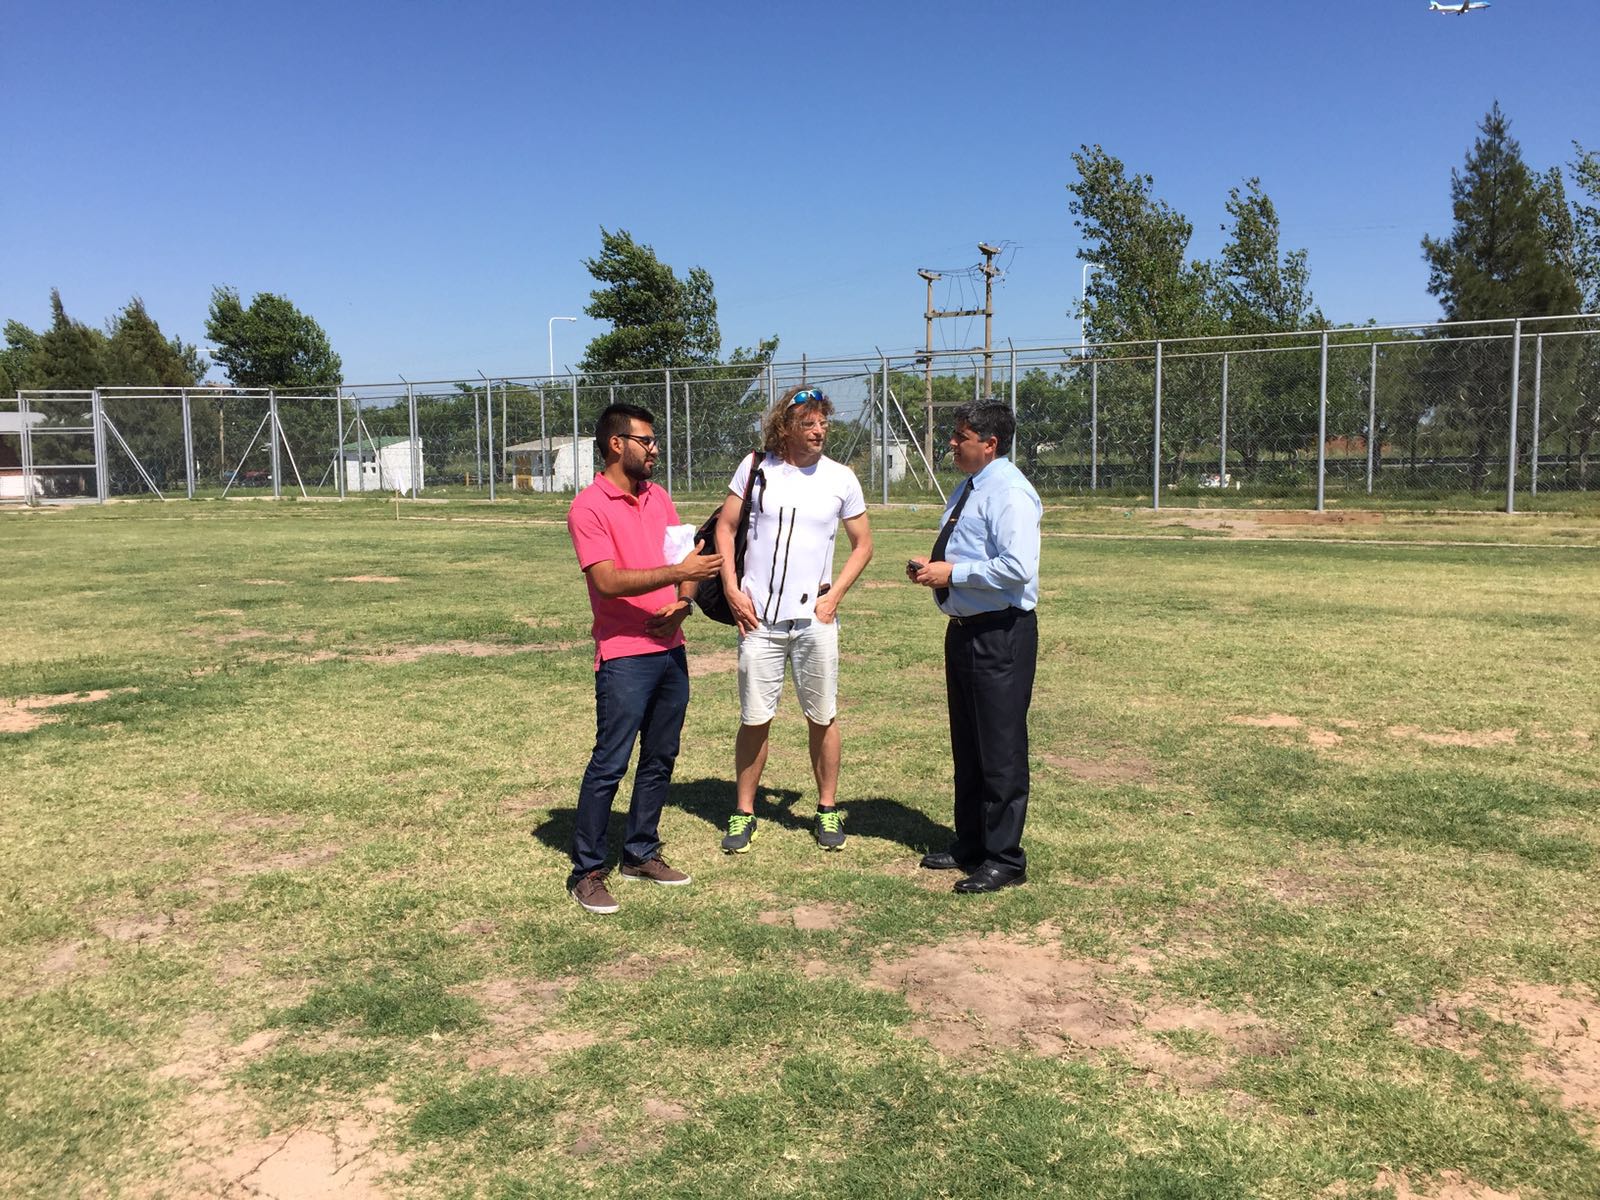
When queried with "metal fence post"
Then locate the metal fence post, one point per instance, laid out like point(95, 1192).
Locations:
point(102, 473)
point(544, 444)
point(477, 426)
point(1222, 462)
point(416, 440)
point(1155, 490)
point(488, 412)
point(884, 445)
point(666, 375)
point(338, 429)
point(1013, 373)
point(25, 437)
point(188, 445)
point(575, 432)
point(1373, 438)
point(688, 441)
point(1094, 426)
point(1322, 422)
point(1538, 387)
point(1516, 383)
point(274, 434)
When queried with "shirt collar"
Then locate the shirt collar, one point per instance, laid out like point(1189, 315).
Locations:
point(612, 491)
point(977, 480)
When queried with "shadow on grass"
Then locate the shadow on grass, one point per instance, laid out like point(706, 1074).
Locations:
point(711, 800)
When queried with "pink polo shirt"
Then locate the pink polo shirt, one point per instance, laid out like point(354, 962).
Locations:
point(607, 523)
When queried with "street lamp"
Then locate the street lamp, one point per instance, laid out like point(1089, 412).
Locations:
point(550, 337)
point(1083, 298)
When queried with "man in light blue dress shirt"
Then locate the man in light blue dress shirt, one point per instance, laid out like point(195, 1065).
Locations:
point(984, 572)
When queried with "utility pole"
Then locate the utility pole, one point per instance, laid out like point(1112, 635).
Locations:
point(927, 368)
point(932, 314)
point(989, 272)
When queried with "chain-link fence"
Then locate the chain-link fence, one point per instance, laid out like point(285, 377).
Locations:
point(1475, 413)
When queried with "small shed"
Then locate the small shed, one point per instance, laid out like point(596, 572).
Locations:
point(535, 462)
point(11, 477)
point(382, 464)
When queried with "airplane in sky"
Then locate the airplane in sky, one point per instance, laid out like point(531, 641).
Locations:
point(1460, 10)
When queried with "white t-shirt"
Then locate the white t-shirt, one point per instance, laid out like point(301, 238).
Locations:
point(793, 521)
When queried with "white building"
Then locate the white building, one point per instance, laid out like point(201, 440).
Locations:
point(11, 487)
point(382, 464)
point(533, 462)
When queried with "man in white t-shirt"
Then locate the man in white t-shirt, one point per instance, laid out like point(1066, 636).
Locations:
point(787, 603)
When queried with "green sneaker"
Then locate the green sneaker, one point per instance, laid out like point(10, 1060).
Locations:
point(830, 829)
point(741, 832)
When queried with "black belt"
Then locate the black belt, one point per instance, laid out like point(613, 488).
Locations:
point(985, 620)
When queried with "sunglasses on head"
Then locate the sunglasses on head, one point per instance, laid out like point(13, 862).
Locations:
point(807, 396)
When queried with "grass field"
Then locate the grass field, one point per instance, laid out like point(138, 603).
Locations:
point(1312, 907)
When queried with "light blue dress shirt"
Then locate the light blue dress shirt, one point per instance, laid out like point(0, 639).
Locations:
point(994, 547)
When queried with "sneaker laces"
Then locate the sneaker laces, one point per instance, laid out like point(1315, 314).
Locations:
point(739, 822)
point(829, 819)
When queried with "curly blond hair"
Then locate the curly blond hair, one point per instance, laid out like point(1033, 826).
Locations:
point(786, 417)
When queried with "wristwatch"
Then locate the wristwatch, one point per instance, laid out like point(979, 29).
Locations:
point(689, 601)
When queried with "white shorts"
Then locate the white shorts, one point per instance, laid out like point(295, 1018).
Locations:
point(810, 648)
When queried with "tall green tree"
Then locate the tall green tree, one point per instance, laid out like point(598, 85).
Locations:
point(1584, 423)
point(1145, 287)
point(271, 343)
point(657, 319)
point(1500, 258)
point(1262, 288)
point(139, 355)
point(69, 355)
point(1503, 258)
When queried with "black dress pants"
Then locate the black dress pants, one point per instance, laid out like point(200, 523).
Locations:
point(988, 669)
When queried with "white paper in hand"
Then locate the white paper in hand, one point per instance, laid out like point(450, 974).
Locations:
point(678, 544)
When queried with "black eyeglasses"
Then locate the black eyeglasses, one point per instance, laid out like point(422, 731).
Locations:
point(649, 443)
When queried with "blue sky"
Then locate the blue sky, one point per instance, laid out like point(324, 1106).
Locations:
point(426, 179)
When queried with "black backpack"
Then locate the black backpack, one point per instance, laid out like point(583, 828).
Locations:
point(709, 597)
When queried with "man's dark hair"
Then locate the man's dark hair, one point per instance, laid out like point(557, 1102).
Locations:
point(989, 419)
point(615, 419)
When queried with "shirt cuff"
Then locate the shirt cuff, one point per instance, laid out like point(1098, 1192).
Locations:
point(959, 574)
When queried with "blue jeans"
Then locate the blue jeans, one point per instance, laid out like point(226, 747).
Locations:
point(641, 697)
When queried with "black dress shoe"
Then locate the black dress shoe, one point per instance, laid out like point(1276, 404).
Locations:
point(990, 878)
point(943, 860)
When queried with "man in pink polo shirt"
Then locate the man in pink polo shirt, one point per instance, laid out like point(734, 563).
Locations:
point(641, 676)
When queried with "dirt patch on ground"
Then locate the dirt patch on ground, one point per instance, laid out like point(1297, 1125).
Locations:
point(238, 635)
point(977, 994)
point(519, 1036)
point(1294, 886)
point(464, 649)
point(1447, 1185)
point(875, 584)
point(526, 802)
point(289, 860)
point(24, 713)
point(1257, 523)
point(220, 1149)
point(138, 928)
point(1480, 739)
point(1099, 770)
point(1268, 721)
point(221, 612)
point(364, 579)
point(808, 917)
point(715, 663)
point(1563, 1026)
point(266, 582)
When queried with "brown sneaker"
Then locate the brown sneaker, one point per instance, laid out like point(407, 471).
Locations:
point(655, 870)
point(591, 894)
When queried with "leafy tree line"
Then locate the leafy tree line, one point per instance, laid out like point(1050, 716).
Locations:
point(1518, 248)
